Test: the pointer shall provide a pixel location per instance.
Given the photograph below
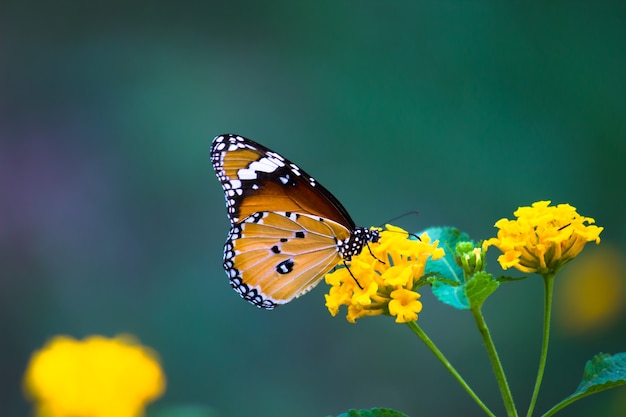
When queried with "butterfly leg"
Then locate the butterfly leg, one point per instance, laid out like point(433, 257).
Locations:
point(352, 275)
point(373, 256)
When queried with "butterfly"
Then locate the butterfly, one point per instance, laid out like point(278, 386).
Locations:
point(287, 231)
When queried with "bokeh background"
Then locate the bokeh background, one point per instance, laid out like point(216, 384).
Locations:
point(112, 220)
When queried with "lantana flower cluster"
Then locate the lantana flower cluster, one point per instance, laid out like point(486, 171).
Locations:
point(543, 238)
point(382, 280)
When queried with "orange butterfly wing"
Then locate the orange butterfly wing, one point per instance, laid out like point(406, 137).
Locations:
point(257, 179)
point(287, 231)
point(275, 256)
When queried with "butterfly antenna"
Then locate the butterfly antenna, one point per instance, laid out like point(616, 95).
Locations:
point(352, 275)
point(415, 236)
point(408, 213)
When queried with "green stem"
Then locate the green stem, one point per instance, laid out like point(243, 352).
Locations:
point(429, 343)
point(505, 391)
point(548, 283)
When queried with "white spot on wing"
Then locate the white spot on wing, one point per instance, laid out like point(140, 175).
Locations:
point(266, 164)
point(246, 174)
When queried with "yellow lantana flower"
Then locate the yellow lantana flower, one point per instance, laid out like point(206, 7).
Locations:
point(95, 377)
point(543, 238)
point(372, 287)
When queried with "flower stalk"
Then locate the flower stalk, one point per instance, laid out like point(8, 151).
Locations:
point(415, 328)
point(548, 282)
point(498, 370)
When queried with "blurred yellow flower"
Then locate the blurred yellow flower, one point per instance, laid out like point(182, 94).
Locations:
point(543, 238)
point(593, 295)
point(383, 288)
point(95, 377)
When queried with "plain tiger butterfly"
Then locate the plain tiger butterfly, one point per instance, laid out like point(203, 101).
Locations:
point(287, 231)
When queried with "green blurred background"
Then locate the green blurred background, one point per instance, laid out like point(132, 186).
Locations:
point(112, 220)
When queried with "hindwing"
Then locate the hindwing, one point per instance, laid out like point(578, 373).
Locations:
point(274, 257)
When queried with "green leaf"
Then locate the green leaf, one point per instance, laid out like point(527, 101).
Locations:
point(446, 267)
point(451, 294)
point(602, 372)
point(447, 278)
point(470, 294)
point(374, 412)
point(480, 286)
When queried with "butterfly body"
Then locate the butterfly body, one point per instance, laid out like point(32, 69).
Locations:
point(287, 231)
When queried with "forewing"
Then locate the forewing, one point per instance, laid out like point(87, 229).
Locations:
point(274, 257)
point(257, 179)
